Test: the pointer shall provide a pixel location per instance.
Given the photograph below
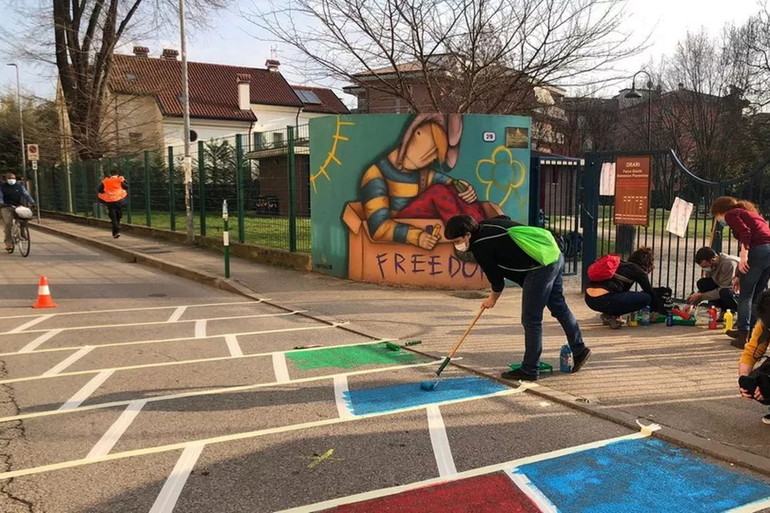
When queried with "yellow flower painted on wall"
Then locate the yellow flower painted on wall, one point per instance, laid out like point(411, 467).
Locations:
point(501, 174)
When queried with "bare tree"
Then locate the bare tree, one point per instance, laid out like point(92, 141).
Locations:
point(452, 55)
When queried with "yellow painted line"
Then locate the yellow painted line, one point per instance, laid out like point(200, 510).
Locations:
point(237, 436)
point(178, 339)
point(166, 322)
point(53, 373)
point(142, 309)
point(212, 391)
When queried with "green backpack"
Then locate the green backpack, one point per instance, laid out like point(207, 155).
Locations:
point(536, 242)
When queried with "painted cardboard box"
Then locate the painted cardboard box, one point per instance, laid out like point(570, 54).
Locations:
point(403, 264)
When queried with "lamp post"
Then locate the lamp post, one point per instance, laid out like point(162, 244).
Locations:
point(187, 162)
point(21, 121)
point(633, 93)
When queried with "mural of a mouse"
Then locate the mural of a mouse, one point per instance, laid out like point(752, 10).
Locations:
point(405, 184)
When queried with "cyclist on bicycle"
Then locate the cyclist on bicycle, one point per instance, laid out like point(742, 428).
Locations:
point(11, 194)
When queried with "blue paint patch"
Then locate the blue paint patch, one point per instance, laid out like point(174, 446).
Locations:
point(384, 399)
point(640, 476)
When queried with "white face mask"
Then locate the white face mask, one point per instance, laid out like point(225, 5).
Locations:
point(11, 181)
point(461, 246)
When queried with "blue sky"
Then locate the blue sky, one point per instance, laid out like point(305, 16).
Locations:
point(232, 40)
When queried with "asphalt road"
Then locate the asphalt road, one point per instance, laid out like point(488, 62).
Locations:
point(143, 392)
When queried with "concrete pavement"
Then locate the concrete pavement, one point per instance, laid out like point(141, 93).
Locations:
point(683, 378)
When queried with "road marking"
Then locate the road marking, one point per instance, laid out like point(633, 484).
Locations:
point(440, 442)
point(55, 370)
point(155, 323)
point(280, 368)
point(31, 323)
point(85, 392)
point(233, 346)
point(150, 365)
point(211, 391)
point(181, 339)
point(111, 437)
point(39, 341)
point(200, 328)
point(142, 309)
point(340, 389)
point(751, 507)
point(264, 432)
point(172, 489)
point(177, 314)
point(543, 503)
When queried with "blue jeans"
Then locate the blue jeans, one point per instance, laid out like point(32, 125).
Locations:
point(752, 285)
point(544, 288)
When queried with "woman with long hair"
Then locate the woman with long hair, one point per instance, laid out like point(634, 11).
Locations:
point(753, 234)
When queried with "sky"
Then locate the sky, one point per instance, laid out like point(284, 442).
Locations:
point(231, 39)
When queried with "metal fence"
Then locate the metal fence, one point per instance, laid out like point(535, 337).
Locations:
point(263, 176)
point(675, 265)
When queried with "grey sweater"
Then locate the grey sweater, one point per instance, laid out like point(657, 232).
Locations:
point(722, 272)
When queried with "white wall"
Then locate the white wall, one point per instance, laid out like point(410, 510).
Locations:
point(206, 129)
point(277, 118)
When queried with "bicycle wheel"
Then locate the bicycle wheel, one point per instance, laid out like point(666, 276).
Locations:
point(24, 242)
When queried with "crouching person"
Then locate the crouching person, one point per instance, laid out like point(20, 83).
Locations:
point(500, 257)
point(717, 286)
point(613, 297)
point(755, 383)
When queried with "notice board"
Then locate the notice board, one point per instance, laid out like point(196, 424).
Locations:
point(632, 190)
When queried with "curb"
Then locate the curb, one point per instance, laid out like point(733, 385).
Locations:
point(705, 446)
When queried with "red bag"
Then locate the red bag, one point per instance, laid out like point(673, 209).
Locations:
point(604, 268)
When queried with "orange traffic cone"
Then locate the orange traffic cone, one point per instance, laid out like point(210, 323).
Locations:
point(44, 299)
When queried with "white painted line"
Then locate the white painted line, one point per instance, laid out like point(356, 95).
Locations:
point(111, 437)
point(172, 489)
point(142, 309)
point(156, 323)
point(31, 323)
point(751, 507)
point(440, 442)
point(182, 339)
point(213, 391)
point(233, 346)
point(280, 368)
point(506, 466)
point(522, 482)
point(39, 341)
point(286, 429)
point(177, 314)
point(200, 328)
point(340, 387)
point(85, 392)
point(68, 361)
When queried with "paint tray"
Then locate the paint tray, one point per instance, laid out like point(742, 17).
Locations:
point(678, 321)
point(544, 367)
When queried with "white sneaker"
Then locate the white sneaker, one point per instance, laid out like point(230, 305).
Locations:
point(766, 419)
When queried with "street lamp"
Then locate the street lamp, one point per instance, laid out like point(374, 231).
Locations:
point(633, 93)
point(21, 121)
point(187, 162)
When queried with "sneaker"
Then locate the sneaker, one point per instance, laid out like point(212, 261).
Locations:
point(578, 361)
point(732, 333)
point(740, 340)
point(766, 419)
point(518, 375)
point(116, 235)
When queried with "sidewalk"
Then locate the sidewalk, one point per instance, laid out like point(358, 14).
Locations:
point(683, 378)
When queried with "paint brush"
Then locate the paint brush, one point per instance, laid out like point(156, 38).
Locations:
point(431, 385)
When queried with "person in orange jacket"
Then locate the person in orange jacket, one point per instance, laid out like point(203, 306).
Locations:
point(113, 193)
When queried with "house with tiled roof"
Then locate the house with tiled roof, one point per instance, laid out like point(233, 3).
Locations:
point(144, 105)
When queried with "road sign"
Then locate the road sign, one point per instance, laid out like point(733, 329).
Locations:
point(33, 153)
point(34, 165)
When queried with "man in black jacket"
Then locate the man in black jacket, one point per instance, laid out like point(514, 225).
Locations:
point(11, 194)
point(500, 258)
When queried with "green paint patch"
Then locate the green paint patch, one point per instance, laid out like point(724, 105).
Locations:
point(349, 357)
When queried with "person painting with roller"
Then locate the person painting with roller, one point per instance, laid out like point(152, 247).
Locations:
point(530, 257)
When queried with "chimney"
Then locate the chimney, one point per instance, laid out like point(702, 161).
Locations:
point(244, 90)
point(141, 51)
point(169, 54)
point(272, 65)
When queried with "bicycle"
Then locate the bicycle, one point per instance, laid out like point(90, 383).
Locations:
point(20, 230)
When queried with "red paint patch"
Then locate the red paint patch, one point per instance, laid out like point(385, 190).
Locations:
point(484, 494)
